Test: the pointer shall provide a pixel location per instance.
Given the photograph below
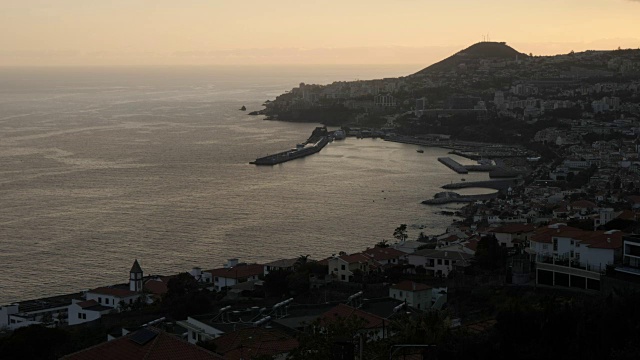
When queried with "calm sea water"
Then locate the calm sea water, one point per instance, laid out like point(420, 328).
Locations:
point(99, 167)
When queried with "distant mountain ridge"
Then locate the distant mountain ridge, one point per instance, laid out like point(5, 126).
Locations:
point(481, 50)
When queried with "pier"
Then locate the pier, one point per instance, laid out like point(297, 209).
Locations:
point(491, 184)
point(318, 140)
point(453, 165)
point(451, 197)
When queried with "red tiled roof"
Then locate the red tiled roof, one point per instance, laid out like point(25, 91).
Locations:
point(157, 286)
point(634, 199)
point(408, 285)
point(593, 239)
point(514, 229)
point(251, 342)
point(238, 271)
point(628, 215)
point(472, 244)
point(355, 258)
point(378, 253)
point(163, 347)
point(113, 292)
point(371, 321)
point(582, 204)
point(87, 304)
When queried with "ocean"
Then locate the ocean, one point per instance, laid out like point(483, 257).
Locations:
point(101, 166)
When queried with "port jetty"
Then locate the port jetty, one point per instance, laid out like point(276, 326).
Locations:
point(318, 140)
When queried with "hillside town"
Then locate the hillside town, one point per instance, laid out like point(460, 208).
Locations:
point(554, 249)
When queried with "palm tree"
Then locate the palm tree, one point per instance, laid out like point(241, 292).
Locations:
point(300, 262)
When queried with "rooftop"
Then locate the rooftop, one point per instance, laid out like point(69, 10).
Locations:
point(147, 343)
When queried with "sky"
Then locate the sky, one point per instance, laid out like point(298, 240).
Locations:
point(258, 32)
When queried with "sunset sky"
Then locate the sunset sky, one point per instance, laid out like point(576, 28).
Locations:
point(199, 32)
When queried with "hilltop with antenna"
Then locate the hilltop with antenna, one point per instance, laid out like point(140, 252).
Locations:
point(488, 50)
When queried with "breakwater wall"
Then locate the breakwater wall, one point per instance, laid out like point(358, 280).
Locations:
point(491, 184)
point(457, 198)
point(453, 165)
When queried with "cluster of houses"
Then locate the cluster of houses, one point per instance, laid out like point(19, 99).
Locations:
point(558, 256)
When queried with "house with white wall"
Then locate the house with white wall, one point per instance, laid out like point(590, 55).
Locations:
point(571, 257)
point(439, 262)
point(511, 235)
point(385, 255)
point(280, 265)
point(112, 297)
point(343, 267)
point(415, 294)
point(86, 311)
point(199, 330)
point(234, 273)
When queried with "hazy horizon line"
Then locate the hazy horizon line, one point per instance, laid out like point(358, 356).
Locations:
point(286, 56)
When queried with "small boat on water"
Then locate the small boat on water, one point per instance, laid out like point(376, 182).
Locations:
point(420, 151)
point(243, 108)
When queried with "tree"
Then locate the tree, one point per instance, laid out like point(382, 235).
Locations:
point(400, 233)
point(317, 342)
point(301, 261)
point(184, 297)
point(276, 282)
point(382, 244)
point(490, 255)
point(422, 237)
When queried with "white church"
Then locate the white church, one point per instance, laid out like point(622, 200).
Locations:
point(107, 299)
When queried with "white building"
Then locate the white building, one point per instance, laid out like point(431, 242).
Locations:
point(512, 235)
point(279, 265)
point(630, 255)
point(438, 262)
point(416, 295)
point(33, 312)
point(571, 257)
point(234, 273)
point(342, 268)
point(199, 330)
point(86, 311)
point(104, 299)
point(201, 276)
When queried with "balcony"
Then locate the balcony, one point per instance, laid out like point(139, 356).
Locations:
point(564, 260)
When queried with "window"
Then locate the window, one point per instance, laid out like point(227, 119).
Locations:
point(84, 316)
point(439, 261)
point(193, 335)
point(99, 300)
point(79, 315)
point(545, 247)
point(343, 277)
point(577, 244)
point(216, 278)
point(571, 253)
point(446, 262)
point(400, 292)
point(577, 256)
point(342, 267)
point(571, 242)
point(555, 244)
point(106, 301)
point(130, 301)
